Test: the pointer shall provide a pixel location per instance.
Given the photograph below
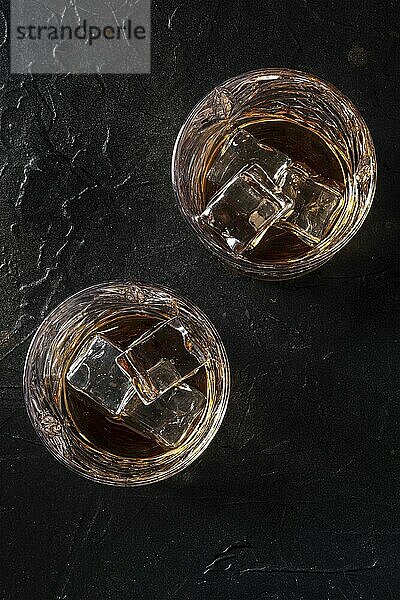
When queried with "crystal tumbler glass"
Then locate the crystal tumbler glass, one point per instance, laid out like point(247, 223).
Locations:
point(82, 383)
point(317, 177)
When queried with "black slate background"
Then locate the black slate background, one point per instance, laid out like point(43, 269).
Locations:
point(298, 495)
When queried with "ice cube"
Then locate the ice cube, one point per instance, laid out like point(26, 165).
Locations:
point(241, 148)
point(243, 209)
point(96, 373)
point(317, 202)
point(161, 358)
point(169, 419)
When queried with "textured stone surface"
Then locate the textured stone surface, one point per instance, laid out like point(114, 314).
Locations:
point(298, 495)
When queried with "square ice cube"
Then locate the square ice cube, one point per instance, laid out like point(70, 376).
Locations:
point(317, 202)
point(169, 419)
point(243, 209)
point(96, 373)
point(161, 358)
point(241, 148)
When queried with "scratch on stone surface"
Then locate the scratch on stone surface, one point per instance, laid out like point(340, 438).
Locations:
point(48, 103)
point(42, 246)
point(272, 448)
point(179, 587)
point(216, 562)
point(170, 18)
point(340, 469)
point(381, 273)
point(249, 400)
point(30, 166)
point(252, 327)
point(332, 473)
point(273, 317)
point(268, 474)
point(128, 177)
point(229, 553)
point(311, 570)
point(106, 142)
point(175, 54)
point(246, 443)
point(342, 593)
point(355, 589)
point(36, 282)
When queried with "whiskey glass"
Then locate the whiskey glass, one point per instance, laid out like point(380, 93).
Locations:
point(299, 115)
point(71, 426)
